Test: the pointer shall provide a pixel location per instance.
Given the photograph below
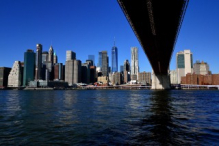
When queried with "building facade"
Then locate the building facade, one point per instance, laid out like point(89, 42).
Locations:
point(173, 77)
point(38, 65)
point(73, 72)
point(198, 79)
point(144, 78)
point(15, 75)
point(58, 71)
point(100, 60)
point(44, 56)
point(4, 72)
point(29, 66)
point(50, 55)
point(85, 72)
point(116, 78)
point(55, 59)
point(134, 62)
point(201, 68)
point(126, 71)
point(93, 74)
point(70, 55)
point(105, 63)
point(184, 61)
point(114, 59)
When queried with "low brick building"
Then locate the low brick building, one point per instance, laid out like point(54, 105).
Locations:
point(195, 79)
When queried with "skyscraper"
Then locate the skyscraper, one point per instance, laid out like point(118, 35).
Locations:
point(121, 68)
point(72, 69)
point(58, 71)
point(55, 59)
point(38, 67)
point(100, 60)
point(70, 55)
point(29, 62)
point(92, 57)
point(50, 54)
point(184, 64)
point(126, 66)
point(114, 59)
point(44, 56)
point(15, 76)
point(105, 63)
point(134, 61)
point(201, 68)
point(85, 68)
point(126, 71)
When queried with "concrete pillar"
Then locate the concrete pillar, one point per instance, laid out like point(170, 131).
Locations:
point(160, 81)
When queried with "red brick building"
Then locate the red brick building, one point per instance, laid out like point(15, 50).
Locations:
point(195, 79)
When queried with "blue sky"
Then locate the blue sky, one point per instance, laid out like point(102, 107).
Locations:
point(89, 26)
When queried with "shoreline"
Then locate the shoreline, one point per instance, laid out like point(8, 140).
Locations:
point(100, 88)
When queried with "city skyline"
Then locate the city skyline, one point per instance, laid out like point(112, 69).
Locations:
point(95, 30)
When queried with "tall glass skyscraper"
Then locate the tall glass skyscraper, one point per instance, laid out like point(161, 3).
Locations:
point(92, 57)
point(29, 61)
point(100, 60)
point(114, 59)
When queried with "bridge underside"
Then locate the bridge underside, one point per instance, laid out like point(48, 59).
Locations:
point(156, 23)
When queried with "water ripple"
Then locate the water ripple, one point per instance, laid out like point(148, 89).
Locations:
point(109, 117)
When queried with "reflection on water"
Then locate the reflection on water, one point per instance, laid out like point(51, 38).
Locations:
point(109, 117)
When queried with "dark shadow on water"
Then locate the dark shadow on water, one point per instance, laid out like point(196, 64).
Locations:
point(158, 123)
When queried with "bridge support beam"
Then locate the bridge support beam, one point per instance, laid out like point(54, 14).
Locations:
point(160, 81)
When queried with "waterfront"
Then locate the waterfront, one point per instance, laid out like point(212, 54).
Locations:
point(109, 117)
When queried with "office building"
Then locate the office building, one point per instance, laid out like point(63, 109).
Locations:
point(173, 77)
point(44, 56)
point(126, 66)
point(48, 71)
point(126, 71)
point(105, 63)
point(77, 71)
point(116, 79)
point(93, 74)
point(144, 78)
point(73, 72)
point(92, 57)
point(121, 68)
point(134, 62)
point(70, 55)
point(100, 60)
point(50, 55)
point(58, 71)
point(184, 61)
point(85, 68)
point(55, 59)
point(4, 72)
point(104, 80)
point(15, 75)
point(38, 65)
point(114, 59)
point(29, 66)
point(201, 68)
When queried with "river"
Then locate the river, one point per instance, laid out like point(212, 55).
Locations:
point(109, 117)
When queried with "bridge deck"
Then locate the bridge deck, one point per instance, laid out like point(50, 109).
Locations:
point(156, 24)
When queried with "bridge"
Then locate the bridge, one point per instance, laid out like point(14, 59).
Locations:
point(156, 24)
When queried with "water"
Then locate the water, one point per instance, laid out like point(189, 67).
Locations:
point(109, 117)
